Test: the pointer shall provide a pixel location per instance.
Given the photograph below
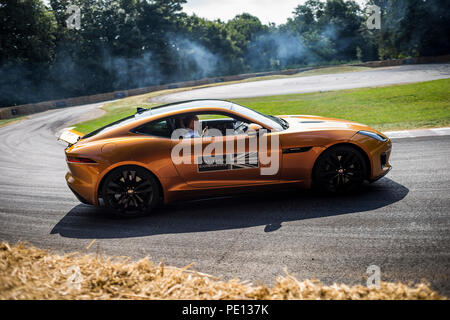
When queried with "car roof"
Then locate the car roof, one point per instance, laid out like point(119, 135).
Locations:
point(176, 107)
point(185, 106)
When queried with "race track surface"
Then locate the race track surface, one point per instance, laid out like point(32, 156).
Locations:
point(370, 78)
point(400, 223)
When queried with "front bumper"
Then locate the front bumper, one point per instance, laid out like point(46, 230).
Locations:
point(379, 154)
point(382, 175)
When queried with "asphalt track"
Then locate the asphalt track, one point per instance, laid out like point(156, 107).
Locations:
point(369, 78)
point(400, 223)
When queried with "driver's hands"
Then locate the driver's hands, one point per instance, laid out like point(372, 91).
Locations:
point(204, 131)
point(240, 127)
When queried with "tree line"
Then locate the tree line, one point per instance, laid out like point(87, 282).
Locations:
point(122, 44)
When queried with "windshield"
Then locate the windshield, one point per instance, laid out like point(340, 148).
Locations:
point(271, 121)
point(281, 121)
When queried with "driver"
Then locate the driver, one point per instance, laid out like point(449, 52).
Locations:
point(190, 122)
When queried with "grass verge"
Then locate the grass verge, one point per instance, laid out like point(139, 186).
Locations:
point(5, 122)
point(127, 106)
point(27, 272)
point(418, 105)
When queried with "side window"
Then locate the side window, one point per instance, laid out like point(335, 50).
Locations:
point(225, 123)
point(159, 128)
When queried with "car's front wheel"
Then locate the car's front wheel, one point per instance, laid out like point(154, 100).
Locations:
point(130, 191)
point(339, 169)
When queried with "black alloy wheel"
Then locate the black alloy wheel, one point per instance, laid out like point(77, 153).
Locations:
point(339, 169)
point(130, 191)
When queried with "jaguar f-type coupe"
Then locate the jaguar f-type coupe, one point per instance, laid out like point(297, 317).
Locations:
point(211, 147)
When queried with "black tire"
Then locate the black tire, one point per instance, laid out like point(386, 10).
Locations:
point(340, 169)
point(130, 191)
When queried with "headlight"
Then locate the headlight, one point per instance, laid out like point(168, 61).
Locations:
point(373, 135)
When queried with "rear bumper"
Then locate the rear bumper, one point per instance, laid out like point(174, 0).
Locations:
point(82, 189)
point(79, 197)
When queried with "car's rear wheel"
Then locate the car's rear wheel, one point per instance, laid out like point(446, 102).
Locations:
point(130, 191)
point(340, 169)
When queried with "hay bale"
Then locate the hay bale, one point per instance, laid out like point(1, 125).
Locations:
point(27, 272)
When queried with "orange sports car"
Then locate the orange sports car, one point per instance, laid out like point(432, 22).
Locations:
point(204, 147)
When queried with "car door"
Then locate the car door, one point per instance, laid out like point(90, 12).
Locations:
point(227, 160)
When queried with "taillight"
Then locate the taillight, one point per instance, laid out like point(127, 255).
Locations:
point(79, 160)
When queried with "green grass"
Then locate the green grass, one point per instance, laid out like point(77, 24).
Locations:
point(418, 105)
point(5, 122)
point(127, 106)
point(117, 110)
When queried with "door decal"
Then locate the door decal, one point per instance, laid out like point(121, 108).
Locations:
point(244, 160)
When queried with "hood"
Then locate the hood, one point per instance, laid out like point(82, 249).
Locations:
point(313, 123)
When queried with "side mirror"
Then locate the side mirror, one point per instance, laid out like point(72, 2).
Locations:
point(253, 129)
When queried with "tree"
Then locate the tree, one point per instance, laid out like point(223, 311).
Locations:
point(331, 30)
point(27, 45)
point(413, 28)
point(125, 44)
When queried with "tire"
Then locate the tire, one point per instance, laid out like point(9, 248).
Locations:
point(130, 191)
point(340, 169)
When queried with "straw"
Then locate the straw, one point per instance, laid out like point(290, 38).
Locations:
point(27, 272)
